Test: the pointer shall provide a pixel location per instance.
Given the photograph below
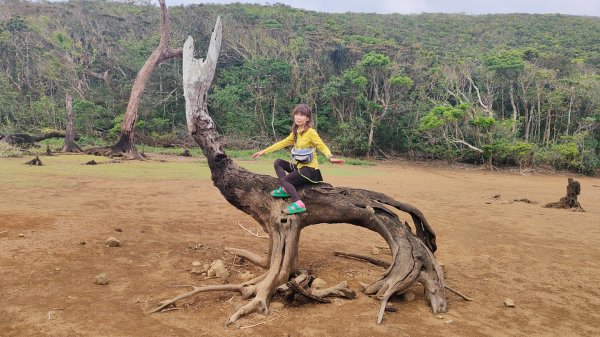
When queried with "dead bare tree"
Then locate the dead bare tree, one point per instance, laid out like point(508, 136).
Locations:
point(69, 144)
point(412, 254)
point(126, 144)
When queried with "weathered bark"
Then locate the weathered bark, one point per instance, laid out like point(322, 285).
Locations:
point(69, 145)
point(126, 143)
point(412, 254)
point(570, 200)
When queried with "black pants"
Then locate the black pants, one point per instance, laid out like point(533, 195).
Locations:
point(290, 177)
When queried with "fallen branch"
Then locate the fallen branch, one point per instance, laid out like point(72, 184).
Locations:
point(249, 231)
point(467, 145)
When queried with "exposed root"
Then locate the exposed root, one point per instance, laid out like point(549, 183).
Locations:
point(261, 261)
point(374, 261)
point(386, 264)
point(304, 291)
point(256, 305)
point(339, 290)
point(196, 290)
point(464, 297)
point(382, 309)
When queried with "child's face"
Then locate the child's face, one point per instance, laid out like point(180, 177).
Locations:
point(300, 120)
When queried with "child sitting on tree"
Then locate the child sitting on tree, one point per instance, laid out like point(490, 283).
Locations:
point(306, 168)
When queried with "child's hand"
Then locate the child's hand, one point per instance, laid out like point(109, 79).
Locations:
point(336, 161)
point(258, 154)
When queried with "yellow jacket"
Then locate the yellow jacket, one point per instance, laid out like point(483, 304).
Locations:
point(307, 139)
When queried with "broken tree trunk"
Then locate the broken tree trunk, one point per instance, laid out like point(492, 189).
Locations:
point(69, 145)
point(570, 200)
point(126, 144)
point(26, 140)
point(412, 254)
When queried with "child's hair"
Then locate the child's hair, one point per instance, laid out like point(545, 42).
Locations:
point(304, 110)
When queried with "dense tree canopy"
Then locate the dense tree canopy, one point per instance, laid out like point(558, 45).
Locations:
point(511, 89)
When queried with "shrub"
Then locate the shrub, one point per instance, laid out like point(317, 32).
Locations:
point(351, 137)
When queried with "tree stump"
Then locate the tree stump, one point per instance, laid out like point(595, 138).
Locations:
point(570, 200)
point(412, 253)
point(48, 151)
point(35, 162)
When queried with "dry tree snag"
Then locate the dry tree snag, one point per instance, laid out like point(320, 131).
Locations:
point(412, 257)
point(69, 144)
point(35, 162)
point(570, 200)
point(125, 144)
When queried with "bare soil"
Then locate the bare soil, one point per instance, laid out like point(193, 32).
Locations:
point(54, 224)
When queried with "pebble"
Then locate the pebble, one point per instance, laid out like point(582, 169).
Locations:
point(449, 321)
point(57, 269)
point(509, 303)
point(101, 279)
point(113, 242)
point(82, 243)
point(318, 283)
point(439, 316)
point(21, 235)
point(118, 230)
point(217, 268)
point(196, 263)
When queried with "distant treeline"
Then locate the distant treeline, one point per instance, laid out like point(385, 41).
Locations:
point(510, 89)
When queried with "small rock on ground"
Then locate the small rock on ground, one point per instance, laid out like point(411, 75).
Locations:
point(509, 303)
point(101, 279)
point(318, 283)
point(113, 242)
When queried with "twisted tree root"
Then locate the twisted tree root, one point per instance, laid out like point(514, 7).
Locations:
point(383, 263)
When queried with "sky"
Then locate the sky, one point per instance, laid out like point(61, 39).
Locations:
point(572, 7)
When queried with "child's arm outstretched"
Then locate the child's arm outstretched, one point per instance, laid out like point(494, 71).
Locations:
point(318, 142)
point(289, 140)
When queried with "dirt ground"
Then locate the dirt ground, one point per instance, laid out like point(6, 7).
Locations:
point(55, 219)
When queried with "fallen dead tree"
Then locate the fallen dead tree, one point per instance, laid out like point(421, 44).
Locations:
point(28, 140)
point(412, 252)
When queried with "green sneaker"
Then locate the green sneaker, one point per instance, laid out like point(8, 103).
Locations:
point(279, 193)
point(294, 208)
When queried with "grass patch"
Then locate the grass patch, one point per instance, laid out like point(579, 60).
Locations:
point(9, 151)
point(59, 167)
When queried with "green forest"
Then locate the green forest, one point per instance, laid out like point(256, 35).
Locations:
point(504, 90)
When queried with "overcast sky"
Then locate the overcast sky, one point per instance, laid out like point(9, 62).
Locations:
point(573, 7)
